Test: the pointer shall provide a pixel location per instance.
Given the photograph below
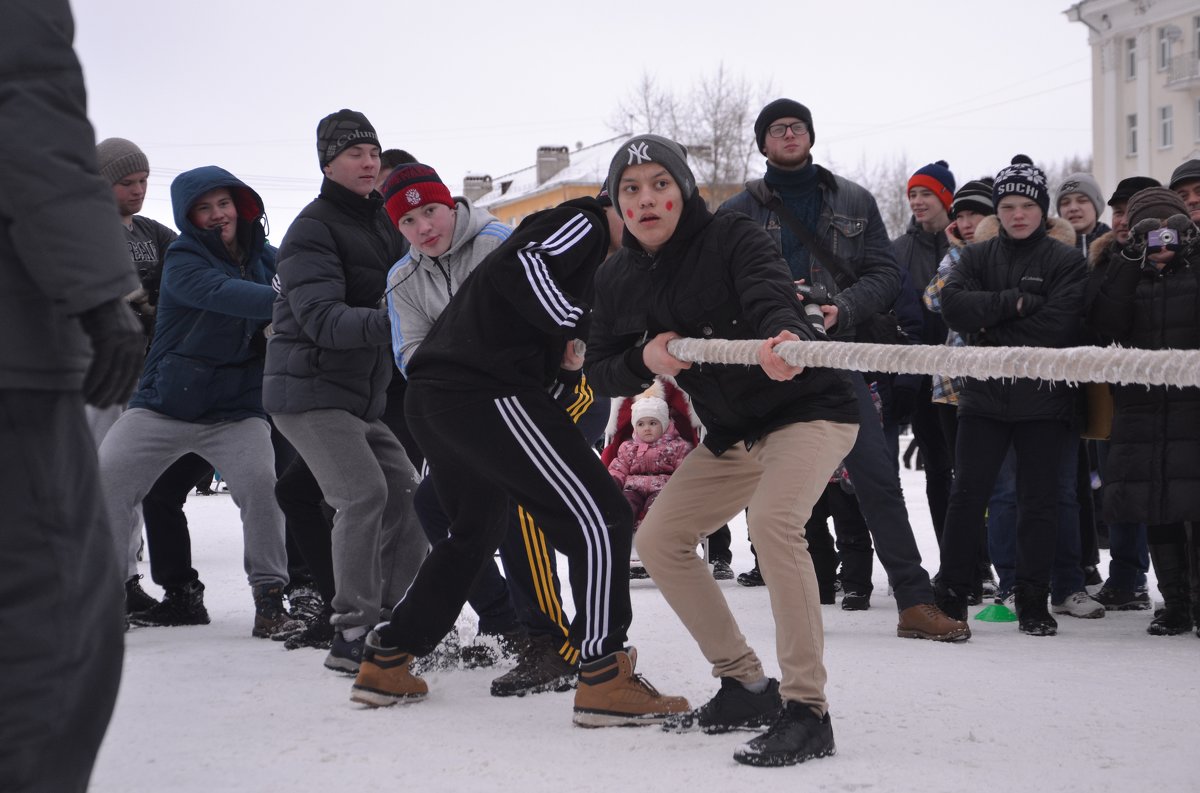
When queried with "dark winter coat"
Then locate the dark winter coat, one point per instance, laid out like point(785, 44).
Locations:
point(505, 330)
point(852, 229)
point(979, 300)
point(61, 247)
point(206, 361)
point(1152, 474)
point(919, 252)
point(332, 344)
point(718, 277)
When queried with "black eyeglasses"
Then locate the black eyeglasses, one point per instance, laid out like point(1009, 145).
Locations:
point(798, 129)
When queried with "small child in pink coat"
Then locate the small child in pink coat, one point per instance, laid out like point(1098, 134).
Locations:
point(645, 461)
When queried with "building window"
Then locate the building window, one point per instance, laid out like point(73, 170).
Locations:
point(1130, 58)
point(1131, 134)
point(1166, 126)
point(1164, 50)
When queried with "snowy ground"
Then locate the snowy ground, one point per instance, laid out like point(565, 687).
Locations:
point(1101, 707)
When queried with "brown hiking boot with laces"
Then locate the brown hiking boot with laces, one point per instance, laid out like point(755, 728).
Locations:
point(384, 677)
point(610, 694)
point(927, 621)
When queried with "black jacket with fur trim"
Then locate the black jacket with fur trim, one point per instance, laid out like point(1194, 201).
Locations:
point(979, 300)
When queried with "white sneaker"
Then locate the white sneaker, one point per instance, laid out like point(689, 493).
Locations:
point(1079, 604)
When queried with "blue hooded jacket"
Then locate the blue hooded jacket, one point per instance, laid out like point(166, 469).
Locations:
point(206, 361)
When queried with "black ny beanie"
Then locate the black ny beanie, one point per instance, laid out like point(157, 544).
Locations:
point(781, 108)
point(341, 130)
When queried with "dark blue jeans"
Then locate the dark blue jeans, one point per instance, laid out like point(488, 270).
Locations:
point(877, 485)
point(1126, 543)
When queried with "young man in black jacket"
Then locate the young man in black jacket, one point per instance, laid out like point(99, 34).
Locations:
point(479, 404)
point(774, 435)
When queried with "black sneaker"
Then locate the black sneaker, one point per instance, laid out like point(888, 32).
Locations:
point(797, 735)
point(304, 602)
point(856, 601)
point(318, 633)
point(637, 573)
point(734, 707)
point(1175, 618)
point(540, 667)
point(489, 649)
point(136, 598)
point(1033, 617)
point(722, 571)
point(952, 603)
point(345, 655)
point(752, 577)
point(1114, 599)
point(180, 606)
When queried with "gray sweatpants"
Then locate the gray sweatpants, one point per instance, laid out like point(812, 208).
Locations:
point(378, 544)
point(141, 445)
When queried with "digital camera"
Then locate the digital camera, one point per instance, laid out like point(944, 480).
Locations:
point(1162, 240)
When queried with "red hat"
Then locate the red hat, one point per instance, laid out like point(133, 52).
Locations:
point(937, 179)
point(411, 186)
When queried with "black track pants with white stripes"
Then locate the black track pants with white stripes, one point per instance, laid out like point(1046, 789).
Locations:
point(481, 453)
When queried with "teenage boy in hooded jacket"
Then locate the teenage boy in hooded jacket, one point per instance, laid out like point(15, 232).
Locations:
point(201, 390)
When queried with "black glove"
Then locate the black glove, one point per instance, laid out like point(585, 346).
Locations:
point(118, 348)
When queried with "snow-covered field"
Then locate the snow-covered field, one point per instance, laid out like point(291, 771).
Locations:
point(1101, 707)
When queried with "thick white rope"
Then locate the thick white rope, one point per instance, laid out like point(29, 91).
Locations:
point(1073, 364)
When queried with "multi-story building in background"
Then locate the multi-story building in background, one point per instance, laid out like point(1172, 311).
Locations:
point(1145, 85)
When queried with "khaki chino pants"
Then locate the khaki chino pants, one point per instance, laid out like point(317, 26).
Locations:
point(779, 478)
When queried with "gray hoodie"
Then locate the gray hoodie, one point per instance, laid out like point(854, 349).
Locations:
point(420, 286)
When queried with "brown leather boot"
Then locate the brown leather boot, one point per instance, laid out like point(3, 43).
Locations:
point(927, 621)
point(384, 677)
point(610, 694)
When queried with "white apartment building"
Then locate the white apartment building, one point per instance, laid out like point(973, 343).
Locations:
point(1145, 85)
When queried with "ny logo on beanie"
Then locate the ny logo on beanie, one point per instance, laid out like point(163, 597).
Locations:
point(638, 153)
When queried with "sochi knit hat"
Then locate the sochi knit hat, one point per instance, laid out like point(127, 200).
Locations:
point(1189, 171)
point(937, 179)
point(1154, 202)
point(341, 130)
point(781, 108)
point(1022, 178)
point(1081, 183)
point(117, 158)
point(1127, 187)
point(652, 148)
point(411, 186)
point(976, 196)
point(649, 407)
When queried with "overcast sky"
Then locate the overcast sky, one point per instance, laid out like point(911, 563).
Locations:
point(476, 88)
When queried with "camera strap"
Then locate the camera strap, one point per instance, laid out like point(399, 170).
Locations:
point(839, 271)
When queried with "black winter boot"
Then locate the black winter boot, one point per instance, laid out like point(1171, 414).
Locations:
point(270, 617)
point(136, 598)
point(952, 602)
point(1171, 567)
point(1033, 617)
point(182, 605)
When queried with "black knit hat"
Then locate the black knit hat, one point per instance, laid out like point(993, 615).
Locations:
point(975, 196)
point(1127, 187)
point(1022, 178)
point(652, 148)
point(781, 108)
point(341, 130)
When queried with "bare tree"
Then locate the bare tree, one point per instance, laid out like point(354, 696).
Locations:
point(713, 120)
point(1056, 173)
point(887, 180)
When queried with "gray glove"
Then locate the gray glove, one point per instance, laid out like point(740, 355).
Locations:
point(118, 348)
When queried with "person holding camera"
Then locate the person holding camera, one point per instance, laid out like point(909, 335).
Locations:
point(1148, 297)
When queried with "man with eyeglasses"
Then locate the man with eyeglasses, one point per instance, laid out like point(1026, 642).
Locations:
point(799, 199)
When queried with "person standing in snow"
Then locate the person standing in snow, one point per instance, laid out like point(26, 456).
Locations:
point(775, 433)
point(70, 339)
point(329, 364)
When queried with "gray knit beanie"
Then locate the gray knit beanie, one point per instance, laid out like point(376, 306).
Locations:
point(118, 158)
point(1081, 183)
point(652, 148)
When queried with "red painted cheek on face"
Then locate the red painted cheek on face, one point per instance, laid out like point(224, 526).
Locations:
point(629, 213)
point(670, 206)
